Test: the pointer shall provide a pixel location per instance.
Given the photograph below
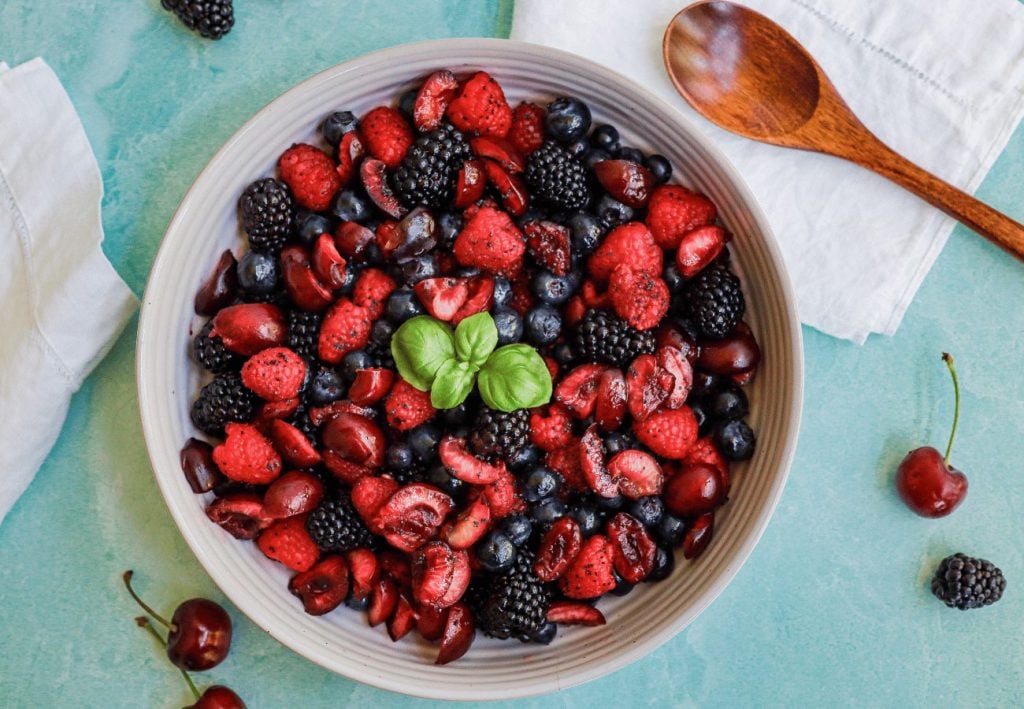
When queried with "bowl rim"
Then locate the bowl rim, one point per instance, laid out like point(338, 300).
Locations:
point(793, 334)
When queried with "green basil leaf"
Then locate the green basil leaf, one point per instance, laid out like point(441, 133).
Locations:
point(475, 339)
point(514, 377)
point(420, 347)
point(452, 384)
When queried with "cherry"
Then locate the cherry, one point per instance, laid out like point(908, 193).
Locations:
point(219, 289)
point(925, 480)
point(197, 463)
point(697, 488)
point(199, 632)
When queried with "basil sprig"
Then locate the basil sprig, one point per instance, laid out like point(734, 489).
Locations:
point(433, 358)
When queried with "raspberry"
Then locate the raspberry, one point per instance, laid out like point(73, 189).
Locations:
point(345, 328)
point(491, 242)
point(673, 211)
point(668, 433)
point(372, 290)
point(480, 107)
point(407, 407)
point(527, 132)
point(630, 244)
point(274, 374)
point(310, 174)
point(247, 456)
point(639, 297)
point(288, 541)
point(551, 430)
point(386, 134)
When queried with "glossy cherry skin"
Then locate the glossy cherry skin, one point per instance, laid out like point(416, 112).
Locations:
point(927, 485)
point(200, 635)
point(218, 697)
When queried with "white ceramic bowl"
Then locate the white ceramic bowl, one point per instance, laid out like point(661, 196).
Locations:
point(206, 223)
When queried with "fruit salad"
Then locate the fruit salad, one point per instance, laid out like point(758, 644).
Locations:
point(476, 366)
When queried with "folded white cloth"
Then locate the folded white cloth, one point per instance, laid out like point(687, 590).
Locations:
point(61, 303)
point(940, 81)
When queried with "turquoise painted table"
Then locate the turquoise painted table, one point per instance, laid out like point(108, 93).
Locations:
point(831, 609)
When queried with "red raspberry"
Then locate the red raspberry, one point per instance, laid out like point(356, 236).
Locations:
point(491, 242)
point(288, 541)
point(640, 298)
point(311, 175)
point(247, 456)
point(274, 374)
point(669, 433)
point(551, 428)
point(590, 574)
point(527, 132)
point(346, 327)
point(566, 462)
point(480, 107)
point(631, 244)
point(372, 290)
point(675, 210)
point(386, 134)
point(407, 407)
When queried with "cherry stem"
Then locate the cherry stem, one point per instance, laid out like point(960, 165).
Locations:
point(143, 622)
point(156, 616)
point(948, 359)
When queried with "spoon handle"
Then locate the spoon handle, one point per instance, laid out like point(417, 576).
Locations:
point(990, 223)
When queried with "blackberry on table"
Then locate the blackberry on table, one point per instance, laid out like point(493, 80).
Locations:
point(517, 602)
point(497, 434)
point(224, 400)
point(304, 333)
point(428, 171)
point(602, 336)
point(267, 211)
point(715, 302)
point(212, 19)
point(556, 178)
point(335, 525)
point(211, 352)
point(965, 582)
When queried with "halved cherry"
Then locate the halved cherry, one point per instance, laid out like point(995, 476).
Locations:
point(698, 248)
point(511, 189)
point(668, 335)
point(592, 461)
point(294, 493)
point(501, 493)
point(698, 535)
point(249, 328)
point(649, 386)
point(499, 150)
point(350, 152)
point(549, 243)
point(593, 296)
point(471, 524)
point(629, 182)
point(412, 516)
point(431, 621)
point(459, 632)
point(368, 495)
point(695, 489)
point(388, 236)
point(374, 175)
point(578, 390)
point(737, 353)
point(240, 514)
point(352, 238)
point(636, 473)
point(480, 295)
point(328, 264)
point(418, 232)
point(432, 100)
point(364, 570)
point(403, 620)
point(383, 601)
point(370, 385)
point(633, 550)
point(396, 565)
point(672, 360)
point(323, 587)
point(271, 410)
point(318, 415)
point(303, 286)
point(611, 399)
point(219, 289)
point(573, 613)
point(464, 465)
point(355, 438)
point(469, 184)
point(558, 549)
point(440, 574)
point(293, 445)
point(704, 450)
point(345, 470)
point(442, 297)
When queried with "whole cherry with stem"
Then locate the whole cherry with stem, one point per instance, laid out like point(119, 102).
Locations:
point(925, 480)
point(199, 632)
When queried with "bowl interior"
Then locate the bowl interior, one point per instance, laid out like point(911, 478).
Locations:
point(206, 223)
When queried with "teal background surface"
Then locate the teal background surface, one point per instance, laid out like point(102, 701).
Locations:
point(831, 609)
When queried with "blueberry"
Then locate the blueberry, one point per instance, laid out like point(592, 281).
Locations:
point(407, 102)
point(327, 386)
point(703, 420)
point(605, 137)
point(543, 325)
point(551, 289)
point(612, 212)
point(496, 552)
point(502, 292)
point(439, 477)
point(349, 207)
point(527, 457)
point(617, 441)
point(735, 439)
point(670, 530)
point(631, 154)
point(348, 282)
point(358, 603)
point(545, 633)
point(567, 119)
point(589, 517)
point(728, 404)
point(353, 362)
point(660, 167)
point(458, 416)
point(423, 440)
point(541, 483)
point(563, 354)
point(509, 324)
point(595, 156)
point(704, 384)
point(673, 278)
point(399, 456)
point(467, 272)
point(257, 273)
point(380, 334)
point(547, 511)
point(336, 125)
point(310, 225)
point(664, 562)
point(611, 504)
point(622, 586)
point(402, 304)
point(416, 269)
point(372, 255)
point(517, 528)
point(578, 148)
point(587, 232)
point(449, 224)
point(646, 510)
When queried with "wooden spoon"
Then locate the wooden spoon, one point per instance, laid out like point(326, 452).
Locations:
point(746, 74)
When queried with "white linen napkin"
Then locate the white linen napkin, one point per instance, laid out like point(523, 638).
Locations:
point(940, 81)
point(61, 303)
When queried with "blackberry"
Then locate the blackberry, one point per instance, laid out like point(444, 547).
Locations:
point(408, 474)
point(335, 525)
point(223, 400)
point(300, 419)
point(497, 434)
point(427, 174)
point(556, 178)
point(212, 19)
point(304, 333)
point(211, 352)
point(714, 301)
point(964, 582)
point(603, 336)
point(267, 210)
point(517, 602)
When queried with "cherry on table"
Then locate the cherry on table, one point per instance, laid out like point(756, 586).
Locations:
point(218, 697)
